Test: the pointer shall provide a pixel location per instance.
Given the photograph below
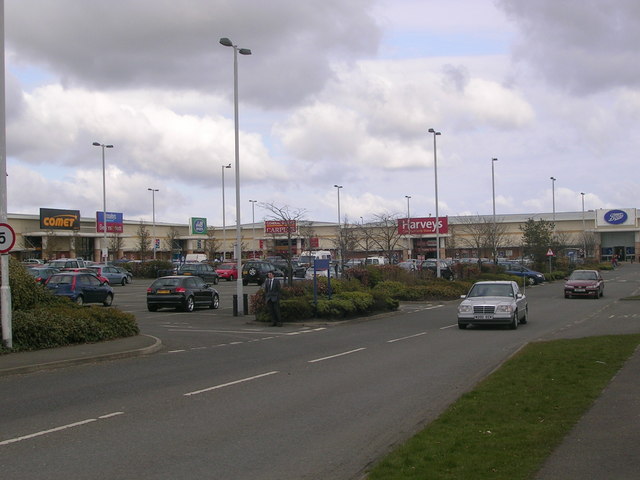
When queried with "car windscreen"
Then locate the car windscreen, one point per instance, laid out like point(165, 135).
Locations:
point(61, 279)
point(583, 276)
point(491, 291)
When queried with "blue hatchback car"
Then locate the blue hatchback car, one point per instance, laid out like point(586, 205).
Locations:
point(533, 277)
point(80, 287)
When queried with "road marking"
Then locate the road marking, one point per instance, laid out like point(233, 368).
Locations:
point(248, 379)
point(337, 355)
point(449, 326)
point(176, 351)
point(406, 338)
point(57, 429)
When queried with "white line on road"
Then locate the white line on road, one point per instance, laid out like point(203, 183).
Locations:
point(406, 338)
point(449, 326)
point(230, 383)
point(57, 429)
point(337, 355)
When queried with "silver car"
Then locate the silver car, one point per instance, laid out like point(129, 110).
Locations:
point(493, 303)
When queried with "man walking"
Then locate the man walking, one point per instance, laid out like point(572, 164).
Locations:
point(272, 298)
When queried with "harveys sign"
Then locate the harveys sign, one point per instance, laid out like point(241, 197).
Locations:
point(421, 226)
point(55, 219)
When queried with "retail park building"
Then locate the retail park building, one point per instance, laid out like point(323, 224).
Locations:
point(64, 233)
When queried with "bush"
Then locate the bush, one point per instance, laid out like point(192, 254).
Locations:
point(149, 269)
point(26, 293)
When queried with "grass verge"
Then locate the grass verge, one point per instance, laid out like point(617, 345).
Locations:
point(507, 426)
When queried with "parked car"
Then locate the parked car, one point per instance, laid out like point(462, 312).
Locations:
point(203, 270)
point(110, 273)
point(184, 292)
point(87, 270)
point(298, 270)
point(66, 263)
point(532, 277)
point(255, 271)
point(408, 265)
point(584, 283)
point(80, 287)
point(431, 265)
point(228, 271)
point(126, 272)
point(41, 273)
point(493, 303)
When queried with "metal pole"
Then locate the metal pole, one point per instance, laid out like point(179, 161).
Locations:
point(153, 207)
point(584, 230)
point(104, 254)
point(253, 223)
point(338, 187)
point(224, 225)
point(553, 199)
point(408, 197)
point(435, 170)
point(493, 193)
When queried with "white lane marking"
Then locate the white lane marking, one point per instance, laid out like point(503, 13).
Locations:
point(449, 326)
point(176, 351)
point(307, 331)
point(57, 429)
point(337, 355)
point(406, 338)
point(255, 377)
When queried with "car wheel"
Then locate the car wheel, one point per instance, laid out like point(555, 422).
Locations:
point(252, 272)
point(215, 302)
point(188, 304)
point(216, 281)
point(80, 300)
point(514, 321)
point(152, 308)
point(531, 281)
point(230, 279)
point(124, 281)
point(462, 326)
point(525, 319)
point(108, 301)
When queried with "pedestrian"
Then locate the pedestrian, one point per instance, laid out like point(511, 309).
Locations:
point(272, 299)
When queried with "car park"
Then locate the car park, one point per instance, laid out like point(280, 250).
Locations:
point(110, 273)
point(532, 277)
point(184, 292)
point(584, 283)
point(493, 303)
point(80, 287)
point(203, 270)
point(255, 271)
point(41, 273)
point(228, 271)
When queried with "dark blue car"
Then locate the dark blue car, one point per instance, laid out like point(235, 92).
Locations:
point(80, 287)
point(533, 277)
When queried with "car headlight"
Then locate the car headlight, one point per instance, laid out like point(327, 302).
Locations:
point(504, 309)
point(591, 287)
point(465, 309)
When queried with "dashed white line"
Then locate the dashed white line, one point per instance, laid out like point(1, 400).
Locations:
point(337, 355)
point(57, 429)
point(406, 338)
point(215, 387)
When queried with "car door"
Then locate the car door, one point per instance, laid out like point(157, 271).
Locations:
point(521, 300)
point(88, 285)
point(199, 288)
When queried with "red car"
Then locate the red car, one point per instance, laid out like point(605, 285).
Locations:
point(228, 271)
point(584, 283)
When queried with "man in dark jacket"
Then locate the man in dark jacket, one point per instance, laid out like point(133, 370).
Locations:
point(272, 299)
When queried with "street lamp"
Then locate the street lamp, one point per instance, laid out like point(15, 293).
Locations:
point(435, 170)
point(253, 222)
point(553, 199)
point(493, 192)
point(153, 207)
point(105, 249)
point(584, 229)
point(408, 197)
point(224, 226)
point(243, 51)
point(338, 187)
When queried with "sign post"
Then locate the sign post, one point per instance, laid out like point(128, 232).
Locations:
point(7, 241)
point(549, 256)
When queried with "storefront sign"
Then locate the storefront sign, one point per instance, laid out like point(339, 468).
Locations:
point(56, 219)
point(198, 225)
point(616, 217)
point(115, 223)
point(280, 226)
point(422, 226)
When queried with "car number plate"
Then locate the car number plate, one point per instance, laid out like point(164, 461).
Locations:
point(483, 317)
point(163, 291)
point(580, 290)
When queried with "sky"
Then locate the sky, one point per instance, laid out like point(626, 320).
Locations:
point(334, 93)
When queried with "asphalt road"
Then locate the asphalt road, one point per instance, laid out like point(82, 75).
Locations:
point(231, 399)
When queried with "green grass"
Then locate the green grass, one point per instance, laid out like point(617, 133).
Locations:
point(507, 426)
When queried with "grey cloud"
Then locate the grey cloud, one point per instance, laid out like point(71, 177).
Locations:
point(141, 43)
point(582, 47)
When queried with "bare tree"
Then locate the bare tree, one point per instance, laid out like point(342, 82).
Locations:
point(482, 234)
point(211, 244)
point(144, 240)
point(115, 244)
point(386, 236)
point(307, 232)
point(363, 236)
point(289, 219)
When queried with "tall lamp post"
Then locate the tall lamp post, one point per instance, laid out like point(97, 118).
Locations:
point(153, 210)
point(338, 187)
point(493, 193)
point(104, 254)
point(408, 197)
point(243, 51)
point(553, 199)
point(435, 170)
point(253, 222)
point(224, 225)
point(584, 229)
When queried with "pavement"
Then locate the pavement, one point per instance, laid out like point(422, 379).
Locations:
point(604, 444)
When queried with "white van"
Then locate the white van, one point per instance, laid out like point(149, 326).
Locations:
point(375, 261)
point(306, 258)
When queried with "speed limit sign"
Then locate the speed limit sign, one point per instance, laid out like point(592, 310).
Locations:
point(7, 237)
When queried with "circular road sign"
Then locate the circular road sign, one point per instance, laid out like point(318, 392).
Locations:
point(7, 237)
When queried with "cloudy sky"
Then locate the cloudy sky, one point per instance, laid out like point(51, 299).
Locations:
point(335, 92)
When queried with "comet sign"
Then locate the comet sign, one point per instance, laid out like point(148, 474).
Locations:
point(7, 238)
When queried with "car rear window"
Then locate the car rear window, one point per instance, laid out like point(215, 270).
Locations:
point(64, 279)
point(166, 282)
